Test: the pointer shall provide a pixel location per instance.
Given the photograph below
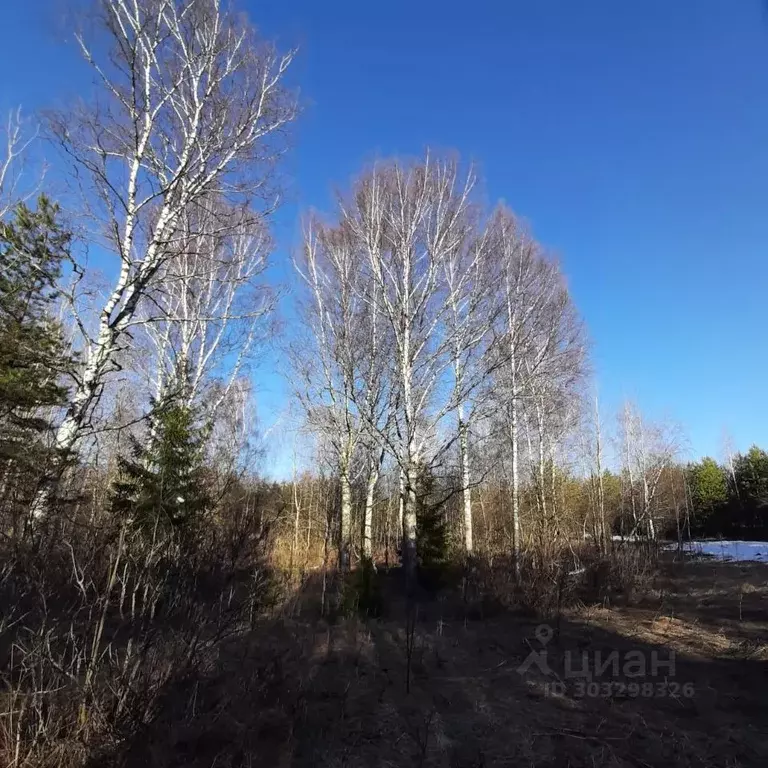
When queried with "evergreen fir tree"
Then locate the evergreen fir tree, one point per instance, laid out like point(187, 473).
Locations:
point(751, 469)
point(33, 249)
point(431, 531)
point(708, 485)
point(163, 483)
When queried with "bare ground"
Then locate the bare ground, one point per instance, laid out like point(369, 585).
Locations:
point(302, 692)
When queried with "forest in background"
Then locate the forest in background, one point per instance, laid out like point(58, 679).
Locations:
point(439, 366)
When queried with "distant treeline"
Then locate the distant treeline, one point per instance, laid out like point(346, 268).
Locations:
point(730, 500)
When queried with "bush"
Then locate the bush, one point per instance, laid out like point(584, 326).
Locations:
point(543, 589)
point(623, 574)
point(101, 620)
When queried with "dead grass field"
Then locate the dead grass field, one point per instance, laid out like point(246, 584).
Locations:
point(302, 692)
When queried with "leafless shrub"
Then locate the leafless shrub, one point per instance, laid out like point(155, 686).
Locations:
point(102, 620)
point(623, 574)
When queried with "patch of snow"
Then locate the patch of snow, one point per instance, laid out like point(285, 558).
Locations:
point(739, 551)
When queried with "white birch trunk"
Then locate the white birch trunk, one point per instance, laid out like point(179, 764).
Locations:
point(514, 434)
point(373, 478)
point(541, 478)
point(465, 482)
point(345, 521)
point(409, 523)
point(601, 525)
point(401, 509)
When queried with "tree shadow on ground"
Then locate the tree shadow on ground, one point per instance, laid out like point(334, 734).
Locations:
point(296, 693)
point(718, 597)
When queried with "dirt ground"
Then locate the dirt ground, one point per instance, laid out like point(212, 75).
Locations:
point(302, 692)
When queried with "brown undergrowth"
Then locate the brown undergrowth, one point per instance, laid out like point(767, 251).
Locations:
point(298, 689)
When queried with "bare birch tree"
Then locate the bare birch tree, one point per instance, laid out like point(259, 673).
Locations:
point(325, 360)
point(411, 219)
point(522, 300)
point(210, 307)
point(543, 349)
point(728, 452)
point(593, 456)
point(553, 369)
point(470, 275)
point(191, 107)
point(16, 136)
point(647, 450)
point(376, 399)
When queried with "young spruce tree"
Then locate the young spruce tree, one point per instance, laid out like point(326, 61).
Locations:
point(34, 247)
point(431, 528)
point(162, 484)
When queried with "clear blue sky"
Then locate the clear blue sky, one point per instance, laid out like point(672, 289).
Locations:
point(633, 136)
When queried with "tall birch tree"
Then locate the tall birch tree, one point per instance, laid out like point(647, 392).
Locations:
point(470, 275)
point(542, 348)
point(190, 106)
point(412, 218)
point(325, 360)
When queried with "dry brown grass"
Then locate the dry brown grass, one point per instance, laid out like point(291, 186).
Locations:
point(305, 693)
point(295, 691)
